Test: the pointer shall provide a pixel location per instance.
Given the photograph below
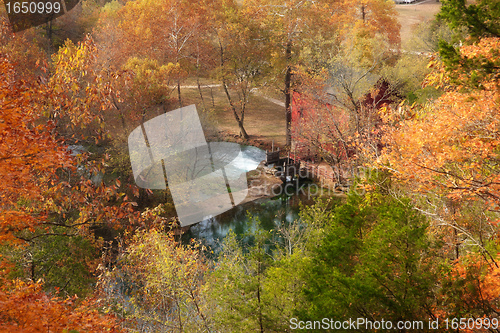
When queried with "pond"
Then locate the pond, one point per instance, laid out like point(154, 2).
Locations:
point(271, 212)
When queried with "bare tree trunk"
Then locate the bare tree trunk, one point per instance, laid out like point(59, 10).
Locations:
point(120, 113)
point(201, 94)
point(212, 94)
point(198, 77)
point(50, 44)
point(200, 313)
point(243, 132)
point(179, 92)
point(288, 95)
point(261, 321)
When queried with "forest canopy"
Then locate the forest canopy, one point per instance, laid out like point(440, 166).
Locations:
point(405, 126)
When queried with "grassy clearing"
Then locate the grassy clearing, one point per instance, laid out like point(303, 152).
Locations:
point(411, 15)
point(264, 120)
point(191, 81)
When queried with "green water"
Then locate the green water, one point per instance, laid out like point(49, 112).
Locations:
point(271, 212)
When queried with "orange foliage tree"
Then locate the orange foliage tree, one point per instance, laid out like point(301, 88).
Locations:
point(318, 126)
point(24, 49)
point(470, 289)
point(452, 145)
point(289, 27)
point(242, 56)
point(29, 155)
point(24, 308)
point(79, 89)
point(32, 158)
point(167, 31)
point(367, 19)
point(310, 33)
point(448, 151)
point(31, 195)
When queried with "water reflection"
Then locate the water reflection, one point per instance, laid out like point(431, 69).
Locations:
point(270, 212)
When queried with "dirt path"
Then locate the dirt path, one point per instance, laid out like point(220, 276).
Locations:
point(196, 87)
point(256, 92)
point(411, 15)
point(253, 91)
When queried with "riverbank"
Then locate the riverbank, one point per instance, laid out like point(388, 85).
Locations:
point(259, 141)
point(262, 183)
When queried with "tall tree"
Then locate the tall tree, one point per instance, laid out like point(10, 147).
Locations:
point(371, 259)
point(336, 107)
point(237, 285)
point(243, 57)
point(166, 31)
point(482, 18)
point(288, 24)
point(315, 27)
point(160, 281)
point(29, 154)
